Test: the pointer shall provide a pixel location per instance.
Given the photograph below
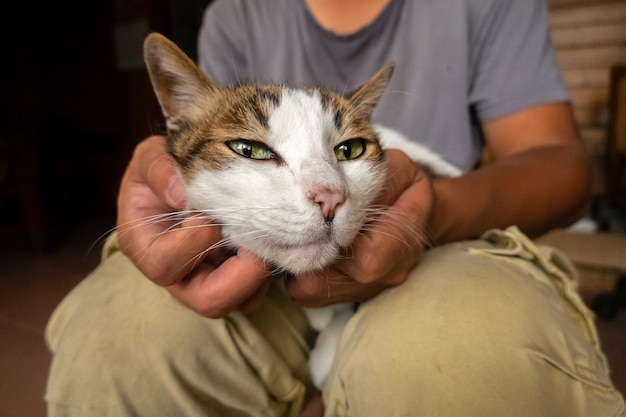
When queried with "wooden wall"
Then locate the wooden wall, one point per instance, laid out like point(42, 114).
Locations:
point(590, 37)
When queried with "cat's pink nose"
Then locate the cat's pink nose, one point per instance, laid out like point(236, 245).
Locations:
point(328, 201)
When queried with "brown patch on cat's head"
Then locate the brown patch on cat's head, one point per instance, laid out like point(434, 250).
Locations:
point(231, 114)
point(351, 121)
point(201, 116)
point(352, 113)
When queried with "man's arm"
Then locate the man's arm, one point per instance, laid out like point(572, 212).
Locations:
point(539, 179)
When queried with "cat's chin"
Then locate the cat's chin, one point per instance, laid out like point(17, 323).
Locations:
point(305, 258)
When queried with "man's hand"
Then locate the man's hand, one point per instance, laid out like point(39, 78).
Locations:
point(173, 252)
point(384, 254)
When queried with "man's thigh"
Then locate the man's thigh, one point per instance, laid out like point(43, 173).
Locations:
point(486, 328)
point(123, 346)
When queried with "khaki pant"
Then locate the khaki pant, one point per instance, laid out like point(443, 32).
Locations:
point(492, 327)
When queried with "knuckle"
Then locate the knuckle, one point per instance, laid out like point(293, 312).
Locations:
point(212, 312)
point(214, 308)
point(368, 270)
point(204, 304)
point(157, 271)
point(397, 279)
point(162, 279)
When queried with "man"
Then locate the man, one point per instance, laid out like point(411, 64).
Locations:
point(480, 327)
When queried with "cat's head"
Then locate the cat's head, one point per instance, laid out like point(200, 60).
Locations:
point(288, 173)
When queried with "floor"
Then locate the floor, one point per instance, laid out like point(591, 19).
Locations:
point(32, 285)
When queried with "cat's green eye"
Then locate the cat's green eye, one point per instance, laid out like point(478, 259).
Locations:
point(251, 149)
point(350, 149)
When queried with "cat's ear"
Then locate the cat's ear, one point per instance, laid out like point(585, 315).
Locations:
point(176, 79)
point(366, 97)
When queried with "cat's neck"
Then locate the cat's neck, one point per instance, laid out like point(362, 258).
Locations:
point(344, 17)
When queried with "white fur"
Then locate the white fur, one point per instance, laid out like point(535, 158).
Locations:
point(263, 206)
point(329, 322)
point(392, 139)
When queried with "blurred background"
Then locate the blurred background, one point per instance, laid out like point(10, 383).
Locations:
point(75, 100)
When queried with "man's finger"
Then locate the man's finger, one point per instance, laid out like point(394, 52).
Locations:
point(215, 292)
point(165, 255)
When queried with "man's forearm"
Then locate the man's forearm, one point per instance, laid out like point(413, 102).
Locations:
point(536, 190)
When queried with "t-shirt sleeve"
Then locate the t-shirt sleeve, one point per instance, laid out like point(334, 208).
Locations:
point(512, 58)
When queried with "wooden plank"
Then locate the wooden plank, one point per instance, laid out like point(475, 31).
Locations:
point(594, 281)
point(588, 13)
point(590, 96)
point(585, 116)
point(597, 35)
point(594, 139)
point(596, 149)
point(586, 78)
point(558, 4)
point(588, 106)
point(592, 116)
point(597, 250)
point(590, 37)
point(585, 58)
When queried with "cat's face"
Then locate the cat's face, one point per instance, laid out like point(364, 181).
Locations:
point(288, 173)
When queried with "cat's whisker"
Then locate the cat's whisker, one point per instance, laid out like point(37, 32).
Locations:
point(406, 93)
point(177, 219)
point(124, 228)
point(150, 220)
point(388, 216)
point(101, 239)
point(405, 243)
point(224, 243)
point(174, 221)
point(344, 91)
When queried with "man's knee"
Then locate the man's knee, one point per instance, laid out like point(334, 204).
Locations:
point(470, 333)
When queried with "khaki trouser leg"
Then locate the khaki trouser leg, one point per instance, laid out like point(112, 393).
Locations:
point(124, 347)
point(486, 328)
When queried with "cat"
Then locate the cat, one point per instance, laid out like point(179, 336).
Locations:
point(289, 173)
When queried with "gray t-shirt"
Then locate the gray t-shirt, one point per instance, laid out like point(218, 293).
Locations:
point(458, 62)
